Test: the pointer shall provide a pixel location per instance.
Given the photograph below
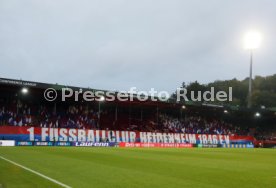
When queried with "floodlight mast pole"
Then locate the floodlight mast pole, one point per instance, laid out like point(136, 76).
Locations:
point(250, 81)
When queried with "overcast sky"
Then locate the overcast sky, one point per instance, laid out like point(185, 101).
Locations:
point(117, 44)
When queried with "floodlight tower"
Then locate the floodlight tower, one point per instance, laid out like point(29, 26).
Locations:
point(252, 41)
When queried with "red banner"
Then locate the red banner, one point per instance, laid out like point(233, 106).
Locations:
point(154, 145)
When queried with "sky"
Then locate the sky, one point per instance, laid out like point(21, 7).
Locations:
point(118, 44)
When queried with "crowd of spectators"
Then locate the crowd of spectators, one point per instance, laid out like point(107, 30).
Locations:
point(75, 116)
point(266, 135)
point(85, 117)
point(198, 125)
point(16, 114)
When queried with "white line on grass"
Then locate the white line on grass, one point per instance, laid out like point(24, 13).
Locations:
point(35, 172)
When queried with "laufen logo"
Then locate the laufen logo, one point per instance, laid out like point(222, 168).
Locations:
point(91, 144)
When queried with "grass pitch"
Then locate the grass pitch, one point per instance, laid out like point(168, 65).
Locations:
point(136, 167)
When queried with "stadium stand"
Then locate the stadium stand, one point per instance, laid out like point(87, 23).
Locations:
point(78, 116)
point(17, 109)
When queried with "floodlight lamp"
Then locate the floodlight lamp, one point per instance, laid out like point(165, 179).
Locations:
point(252, 40)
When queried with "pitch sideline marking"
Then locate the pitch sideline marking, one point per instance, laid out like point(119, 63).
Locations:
point(37, 173)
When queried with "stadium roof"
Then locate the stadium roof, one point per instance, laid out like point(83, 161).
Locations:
point(58, 87)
